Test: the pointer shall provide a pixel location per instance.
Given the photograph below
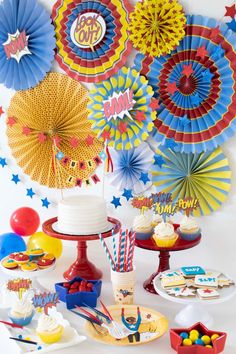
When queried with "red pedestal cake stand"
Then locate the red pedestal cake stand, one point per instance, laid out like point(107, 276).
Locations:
point(164, 256)
point(82, 266)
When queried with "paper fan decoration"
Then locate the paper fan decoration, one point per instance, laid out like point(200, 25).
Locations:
point(205, 176)
point(49, 133)
point(26, 43)
point(195, 86)
point(92, 37)
point(121, 109)
point(128, 166)
point(157, 26)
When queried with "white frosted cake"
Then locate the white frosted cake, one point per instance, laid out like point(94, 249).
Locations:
point(82, 215)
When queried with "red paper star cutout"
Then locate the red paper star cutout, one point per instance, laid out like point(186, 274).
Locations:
point(57, 140)
point(230, 11)
point(171, 87)
point(11, 121)
point(122, 127)
point(106, 135)
point(187, 70)
point(1, 111)
point(89, 140)
point(41, 137)
point(140, 116)
point(154, 104)
point(74, 142)
point(202, 52)
point(26, 131)
point(214, 32)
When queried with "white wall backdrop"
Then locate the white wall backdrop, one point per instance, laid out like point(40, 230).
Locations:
point(219, 236)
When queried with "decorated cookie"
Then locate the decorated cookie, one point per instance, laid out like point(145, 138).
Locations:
point(208, 294)
point(225, 283)
point(29, 267)
point(203, 281)
point(9, 264)
point(36, 252)
point(182, 292)
point(172, 280)
point(21, 258)
point(45, 263)
point(191, 272)
point(49, 256)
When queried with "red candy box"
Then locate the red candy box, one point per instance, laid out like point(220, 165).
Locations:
point(79, 292)
point(217, 344)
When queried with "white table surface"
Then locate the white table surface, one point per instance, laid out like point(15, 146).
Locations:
point(224, 314)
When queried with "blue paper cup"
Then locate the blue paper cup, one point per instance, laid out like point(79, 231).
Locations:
point(189, 236)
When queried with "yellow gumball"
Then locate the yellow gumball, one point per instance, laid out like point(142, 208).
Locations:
point(214, 336)
point(187, 342)
point(47, 243)
point(194, 332)
point(208, 346)
point(206, 340)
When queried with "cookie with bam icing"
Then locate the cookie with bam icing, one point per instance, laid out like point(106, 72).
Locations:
point(192, 271)
point(208, 294)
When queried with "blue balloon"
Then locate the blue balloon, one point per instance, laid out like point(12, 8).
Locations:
point(11, 242)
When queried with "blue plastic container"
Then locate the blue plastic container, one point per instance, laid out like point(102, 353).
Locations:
point(81, 298)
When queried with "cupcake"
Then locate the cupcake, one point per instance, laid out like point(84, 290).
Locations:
point(21, 312)
point(143, 227)
point(164, 235)
point(156, 219)
point(48, 329)
point(188, 229)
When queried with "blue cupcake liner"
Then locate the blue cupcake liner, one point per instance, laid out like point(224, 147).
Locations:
point(189, 236)
point(144, 235)
point(23, 321)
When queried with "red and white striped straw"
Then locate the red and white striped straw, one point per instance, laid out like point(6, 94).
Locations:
point(131, 251)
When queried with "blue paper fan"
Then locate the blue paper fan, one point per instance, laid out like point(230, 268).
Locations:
point(128, 167)
point(26, 43)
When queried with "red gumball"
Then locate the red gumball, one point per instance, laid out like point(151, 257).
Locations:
point(25, 221)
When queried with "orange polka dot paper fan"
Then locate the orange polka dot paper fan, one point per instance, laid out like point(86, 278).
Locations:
point(50, 135)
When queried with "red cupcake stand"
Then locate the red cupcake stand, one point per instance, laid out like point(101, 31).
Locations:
point(164, 256)
point(82, 267)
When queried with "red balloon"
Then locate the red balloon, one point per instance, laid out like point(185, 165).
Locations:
point(25, 221)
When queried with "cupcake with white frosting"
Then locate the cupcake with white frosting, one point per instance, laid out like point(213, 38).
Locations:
point(189, 229)
point(156, 219)
point(49, 329)
point(164, 235)
point(142, 225)
point(21, 312)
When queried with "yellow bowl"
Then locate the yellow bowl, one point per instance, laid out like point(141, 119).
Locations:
point(165, 243)
point(53, 337)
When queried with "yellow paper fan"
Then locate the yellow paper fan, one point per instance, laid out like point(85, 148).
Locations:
point(49, 133)
point(157, 26)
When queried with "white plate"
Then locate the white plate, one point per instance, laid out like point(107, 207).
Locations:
point(108, 228)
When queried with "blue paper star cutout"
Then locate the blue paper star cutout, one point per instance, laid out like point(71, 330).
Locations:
point(45, 202)
point(207, 75)
point(184, 121)
point(232, 25)
point(3, 162)
point(30, 193)
point(158, 160)
point(218, 53)
point(170, 144)
point(127, 194)
point(15, 179)
point(59, 155)
point(116, 202)
point(195, 99)
point(144, 178)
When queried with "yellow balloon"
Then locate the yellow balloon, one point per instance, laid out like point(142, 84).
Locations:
point(47, 243)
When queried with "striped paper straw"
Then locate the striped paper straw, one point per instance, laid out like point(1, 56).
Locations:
point(119, 243)
point(114, 248)
point(131, 251)
point(107, 252)
point(126, 249)
point(122, 252)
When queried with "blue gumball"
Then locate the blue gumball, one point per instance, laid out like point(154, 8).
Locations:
point(11, 242)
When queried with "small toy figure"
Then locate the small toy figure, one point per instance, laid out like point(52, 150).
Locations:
point(132, 323)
